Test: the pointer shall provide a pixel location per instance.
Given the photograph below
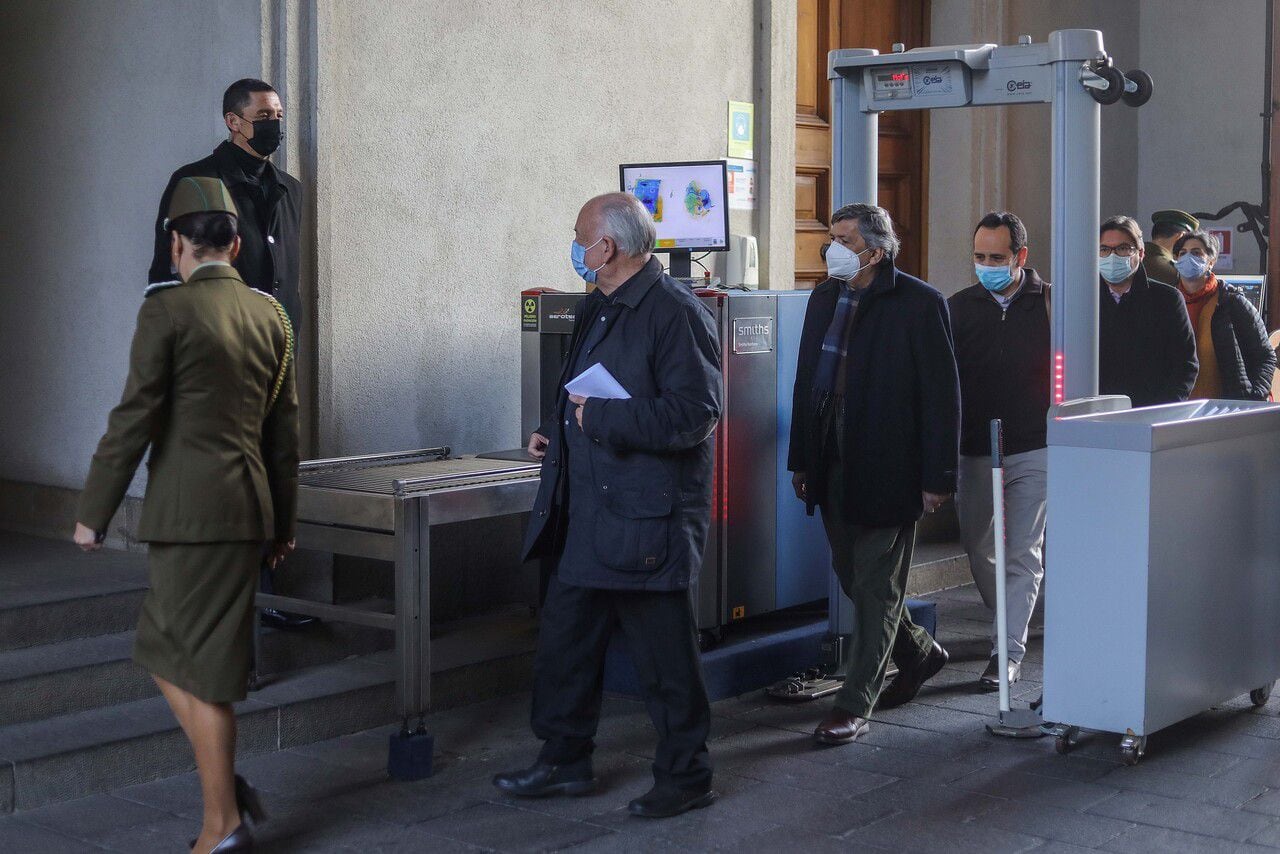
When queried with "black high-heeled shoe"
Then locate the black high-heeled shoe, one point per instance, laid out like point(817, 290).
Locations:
point(250, 807)
point(237, 840)
point(248, 802)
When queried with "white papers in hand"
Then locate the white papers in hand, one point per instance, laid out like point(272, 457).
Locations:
point(596, 381)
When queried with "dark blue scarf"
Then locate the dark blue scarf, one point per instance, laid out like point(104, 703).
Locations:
point(835, 344)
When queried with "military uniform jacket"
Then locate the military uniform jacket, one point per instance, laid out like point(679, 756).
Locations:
point(204, 360)
point(1158, 262)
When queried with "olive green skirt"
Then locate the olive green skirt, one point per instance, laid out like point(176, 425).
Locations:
point(196, 626)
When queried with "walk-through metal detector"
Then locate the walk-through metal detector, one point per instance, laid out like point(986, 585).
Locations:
point(1072, 72)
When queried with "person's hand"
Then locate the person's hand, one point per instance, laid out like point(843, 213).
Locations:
point(933, 500)
point(86, 538)
point(280, 549)
point(579, 402)
point(798, 483)
point(538, 444)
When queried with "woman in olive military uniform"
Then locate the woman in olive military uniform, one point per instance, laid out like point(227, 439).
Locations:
point(211, 391)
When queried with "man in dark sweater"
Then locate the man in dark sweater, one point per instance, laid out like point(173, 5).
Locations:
point(1001, 327)
point(269, 202)
point(1146, 349)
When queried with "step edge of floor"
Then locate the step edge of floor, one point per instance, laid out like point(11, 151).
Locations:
point(112, 642)
point(358, 675)
point(123, 589)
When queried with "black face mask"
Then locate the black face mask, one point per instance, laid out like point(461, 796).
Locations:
point(267, 134)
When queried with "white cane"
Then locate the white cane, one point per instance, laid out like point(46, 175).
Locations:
point(1022, 723)
point(998, 532)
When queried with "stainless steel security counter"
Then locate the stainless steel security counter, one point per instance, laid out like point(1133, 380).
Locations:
point(1163, 588)
point(383, 507)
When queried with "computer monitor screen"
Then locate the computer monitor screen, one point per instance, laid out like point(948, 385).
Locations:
point(688, 202)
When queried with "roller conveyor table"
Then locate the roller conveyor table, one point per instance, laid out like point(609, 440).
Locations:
point(382, 507)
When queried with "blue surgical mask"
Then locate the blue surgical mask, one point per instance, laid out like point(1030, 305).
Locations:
point(1115, 269)
point(1191, 266)
point(578, 255)
point(994, 278)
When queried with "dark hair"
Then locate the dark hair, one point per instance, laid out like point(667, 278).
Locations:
point(1127, 224)
point(240, 93)
point(1164, 228)
point(207, 230)
point(874, 225)
point(1210, 242)
point(1017, 231)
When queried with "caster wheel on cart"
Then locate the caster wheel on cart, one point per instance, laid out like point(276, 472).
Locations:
point(1066, 740)
point(1132, 748)
point(1259, 696)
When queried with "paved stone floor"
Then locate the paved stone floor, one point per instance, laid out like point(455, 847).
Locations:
point(926, 778)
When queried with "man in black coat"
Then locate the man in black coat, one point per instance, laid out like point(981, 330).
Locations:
point(622, 512)
point(269, 202)
point(874, 437)
point(1146, 349)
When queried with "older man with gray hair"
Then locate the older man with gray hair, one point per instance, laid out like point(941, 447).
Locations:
point(622, 515)
point(874, 443)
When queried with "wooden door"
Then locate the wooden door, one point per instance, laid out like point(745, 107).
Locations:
point(825, 25)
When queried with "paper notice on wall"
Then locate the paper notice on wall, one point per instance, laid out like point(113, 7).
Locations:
point(1225, 263)
point(742, 129)
point(742, 183)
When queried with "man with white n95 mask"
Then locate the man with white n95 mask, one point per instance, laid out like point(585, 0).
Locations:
point(873, 444)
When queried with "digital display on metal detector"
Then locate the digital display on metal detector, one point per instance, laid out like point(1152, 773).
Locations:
point(891, 83)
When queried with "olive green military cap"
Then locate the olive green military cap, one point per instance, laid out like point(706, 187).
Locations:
point(199, 195)
point(1181, 219)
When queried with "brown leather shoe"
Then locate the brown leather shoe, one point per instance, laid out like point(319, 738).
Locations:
point(840, 727)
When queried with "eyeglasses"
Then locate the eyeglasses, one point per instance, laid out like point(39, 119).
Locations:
point(1124, 250)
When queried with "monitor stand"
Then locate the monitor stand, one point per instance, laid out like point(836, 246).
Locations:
point(679, 263)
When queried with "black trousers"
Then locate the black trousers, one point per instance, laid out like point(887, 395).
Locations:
point(568, 676)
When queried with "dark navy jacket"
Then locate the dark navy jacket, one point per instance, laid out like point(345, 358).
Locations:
point(625, 504)
point(1146, 348)
point(902, 401)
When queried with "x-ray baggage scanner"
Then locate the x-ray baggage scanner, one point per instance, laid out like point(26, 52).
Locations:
point(1072, 72)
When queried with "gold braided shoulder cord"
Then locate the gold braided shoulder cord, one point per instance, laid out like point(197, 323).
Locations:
point(288, 350)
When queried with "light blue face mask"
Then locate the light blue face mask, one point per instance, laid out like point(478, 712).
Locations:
point(1115, 269)
point(578, 255)
point(1192, 267)
point(993, 278)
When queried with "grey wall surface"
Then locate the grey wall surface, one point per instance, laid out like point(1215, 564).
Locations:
point(1196, 145)
point(456, 143)
point(101, 102)
point(1200, 136)
point(999, 157)
point(967, 172)
point(1028, 128)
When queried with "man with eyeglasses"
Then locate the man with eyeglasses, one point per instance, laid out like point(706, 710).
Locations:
point(1146, 349)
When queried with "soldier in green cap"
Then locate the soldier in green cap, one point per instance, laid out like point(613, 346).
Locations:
point(1166, 227)
point(211, 392)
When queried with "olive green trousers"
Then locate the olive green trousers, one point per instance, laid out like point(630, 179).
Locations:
point(871, 565)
